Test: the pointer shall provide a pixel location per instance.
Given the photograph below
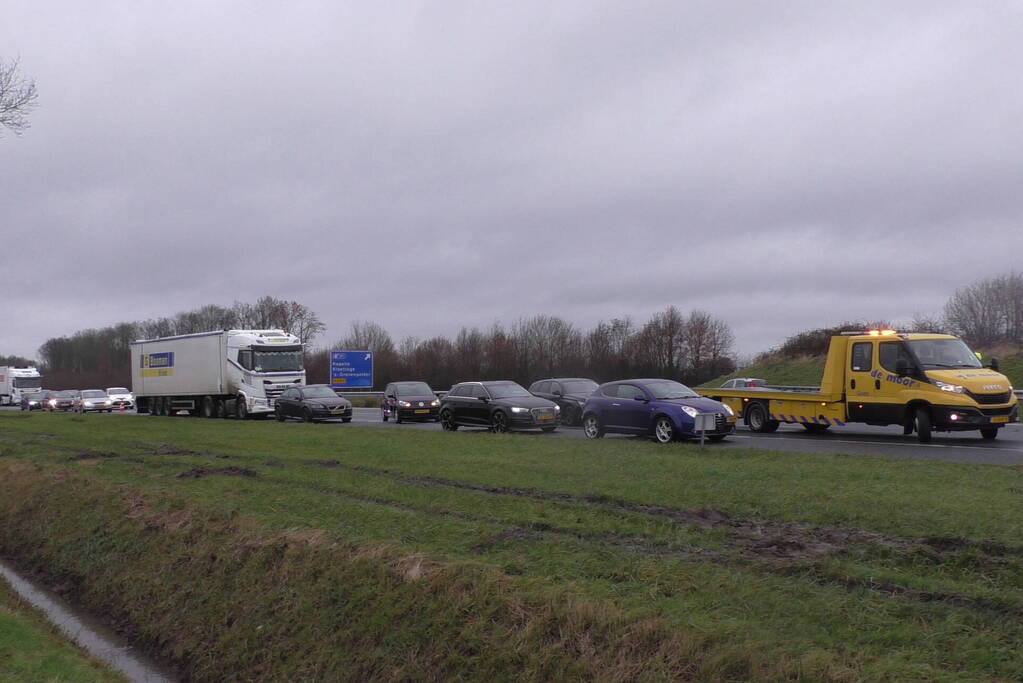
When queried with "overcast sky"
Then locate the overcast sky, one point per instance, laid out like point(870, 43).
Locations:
point(432, 165)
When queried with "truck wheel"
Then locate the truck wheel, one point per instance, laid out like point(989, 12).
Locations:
point(241, 410)
point(989, 433)
point(923, 425)
point(222, 410)
point(209, 408)
point(816, 428)
point(756, 418)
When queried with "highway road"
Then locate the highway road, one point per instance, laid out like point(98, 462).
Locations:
point(1007, 449)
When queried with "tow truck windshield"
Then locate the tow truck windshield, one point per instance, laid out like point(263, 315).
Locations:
point(943, 353)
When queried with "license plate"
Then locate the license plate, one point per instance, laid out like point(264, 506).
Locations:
point(422, 412)
point(1000, 418)
point(337, 411)
point(544, 418)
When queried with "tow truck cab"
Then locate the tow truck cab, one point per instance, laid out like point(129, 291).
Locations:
point(922, 382)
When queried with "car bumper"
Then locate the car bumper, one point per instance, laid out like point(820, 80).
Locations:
point(723, 426)
point(959, 419)
point(528, 421)
point(332, 414)
point(416, 413)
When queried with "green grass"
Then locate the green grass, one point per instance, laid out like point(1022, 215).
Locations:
point(743, 564)
point(32, 650)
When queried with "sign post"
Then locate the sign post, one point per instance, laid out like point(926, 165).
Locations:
point(351, 369)
point(704, 422)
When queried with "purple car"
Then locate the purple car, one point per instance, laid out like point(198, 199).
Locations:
point(661, 408)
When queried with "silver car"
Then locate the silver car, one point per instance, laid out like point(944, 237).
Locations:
point(95, 400)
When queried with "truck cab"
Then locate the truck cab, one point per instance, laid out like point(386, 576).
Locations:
point(922, 382)
point(15, 382)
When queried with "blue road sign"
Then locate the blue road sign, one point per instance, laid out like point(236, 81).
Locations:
point(351, 369)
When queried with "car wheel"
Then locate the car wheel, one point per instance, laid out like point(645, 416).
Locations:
point(756, 418)
point(241, 409)
point(990, 433)
point(279, 414)
point(499, 422)
point(384, 414)
point(397, 416)
point(923, 425)
point(307, 415)
point(346, 420)
point(592, 427)
point(664, 430)
point(447, 421)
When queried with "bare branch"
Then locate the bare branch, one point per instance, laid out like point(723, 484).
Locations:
point(18, 97)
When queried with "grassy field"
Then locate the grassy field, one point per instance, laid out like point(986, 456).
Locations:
point(280, 551)
point(32, 650)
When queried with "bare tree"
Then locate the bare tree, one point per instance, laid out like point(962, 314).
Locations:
point(988, 311)
point(18, 97)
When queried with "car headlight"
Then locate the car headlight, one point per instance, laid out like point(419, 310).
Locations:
point(53, 402)
point(434, 403)
point(945, 386)
point(728, 409)
point(88, 404)
point(516, 409)
point(404, 404)
point(557, 408)
point(690, 411)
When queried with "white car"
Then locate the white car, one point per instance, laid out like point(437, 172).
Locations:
point(120, 396)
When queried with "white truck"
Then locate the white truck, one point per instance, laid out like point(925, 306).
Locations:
point(237, 373)
point(16, 381)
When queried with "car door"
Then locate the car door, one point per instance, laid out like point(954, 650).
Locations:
point(478, 409)
point(288, 401)
point(458, 400)
point(615, 407)
point(863, 386)
point(635, 412)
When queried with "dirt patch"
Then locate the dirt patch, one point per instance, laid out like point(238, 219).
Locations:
point(167, 449)
point(508, 535)
point(200, 472)
point(324, 463)
point(92, 455)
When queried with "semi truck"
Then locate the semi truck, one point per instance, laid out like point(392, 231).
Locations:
point(227, 373)
point(921, 382)
point(16, 381)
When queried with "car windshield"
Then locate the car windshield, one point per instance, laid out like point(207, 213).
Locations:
point(277, 361)
point(579, 386)
point(413, 389)
point(117, 390)
point(666, 388)
point(64, 394)
point(506, 390)
point(94, 393)
point(36, 395)
point(318, 392)
point(943, 353)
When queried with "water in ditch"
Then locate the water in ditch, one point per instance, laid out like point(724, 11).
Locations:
point(87, 632)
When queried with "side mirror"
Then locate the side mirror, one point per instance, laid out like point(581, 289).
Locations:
point(557, 392)
point(640, 397)
point(995, 365)
point(484, 399)
point(901, 367)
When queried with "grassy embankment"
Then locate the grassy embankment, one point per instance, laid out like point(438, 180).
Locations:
point(269, 551)
point(807, 371)
point(31, 649)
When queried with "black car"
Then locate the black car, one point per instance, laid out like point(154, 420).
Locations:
point(409, 401)
point(35, 400)
point(500, 406)
point(312, 402)
point(570, 393)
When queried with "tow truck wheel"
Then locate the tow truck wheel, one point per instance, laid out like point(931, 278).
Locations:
point(923, 425)
point(756, 418)
point(989, 433)
point(816, 428)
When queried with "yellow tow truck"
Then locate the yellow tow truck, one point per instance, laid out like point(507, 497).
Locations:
point(922, 382)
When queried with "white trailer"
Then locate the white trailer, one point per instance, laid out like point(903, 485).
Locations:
point(16, 381)
point(228, 373)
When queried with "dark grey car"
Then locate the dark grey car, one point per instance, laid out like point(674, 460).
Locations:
point(570, 393)
point(312, 402)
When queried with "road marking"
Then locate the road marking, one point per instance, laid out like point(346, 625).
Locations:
point(890, 443)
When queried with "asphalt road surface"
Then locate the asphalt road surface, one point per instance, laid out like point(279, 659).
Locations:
point(1007, 449)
